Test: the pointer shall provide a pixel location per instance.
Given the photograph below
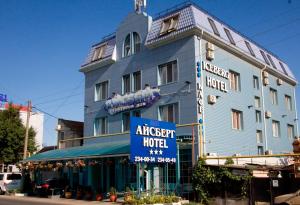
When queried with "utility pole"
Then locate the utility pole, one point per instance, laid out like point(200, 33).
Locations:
point(27, 129)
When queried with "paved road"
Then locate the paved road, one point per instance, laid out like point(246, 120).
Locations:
point(13, 200)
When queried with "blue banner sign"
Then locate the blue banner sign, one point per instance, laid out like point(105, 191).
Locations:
point(152, 141)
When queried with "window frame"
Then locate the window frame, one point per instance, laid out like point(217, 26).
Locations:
point(258, 116)
point(175, 114)
point(134, 88)
point(274, 96)
point(264, 57)
point(289, 126)
point(259, 137)
point(271, 61)
point(229, 36)
point(98, 96)
point(124, 85)
point(288, 102)
point(131, 114)
point(175, 75)
point(99, 128)
point(240, 123)
point(213, 26)
point(256, 84)
point(276, 133)
point(237, 84)
point(257, 100)
point(99, 52)
point(248, 45)
point(166, 24)
point(132, 44)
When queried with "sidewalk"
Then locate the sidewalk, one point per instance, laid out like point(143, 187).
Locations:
point(56, 200)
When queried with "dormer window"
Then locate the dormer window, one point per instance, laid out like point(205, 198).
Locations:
point(98, 52)
point(169, 25)
point(132, 44)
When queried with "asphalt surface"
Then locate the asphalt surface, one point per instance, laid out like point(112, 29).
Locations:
point(16, 200)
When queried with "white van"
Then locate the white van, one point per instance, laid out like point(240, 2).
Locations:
point(9, 181)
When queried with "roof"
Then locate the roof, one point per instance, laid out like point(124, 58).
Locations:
point(192, 17)
point(87, 151)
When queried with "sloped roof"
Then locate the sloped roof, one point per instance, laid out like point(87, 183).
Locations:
point(193, 17)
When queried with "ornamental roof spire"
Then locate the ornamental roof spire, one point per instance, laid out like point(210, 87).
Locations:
point(139, 6)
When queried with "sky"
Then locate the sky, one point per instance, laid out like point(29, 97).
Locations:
point(43, 43)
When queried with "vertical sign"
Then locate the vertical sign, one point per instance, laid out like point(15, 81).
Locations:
point(152, 141)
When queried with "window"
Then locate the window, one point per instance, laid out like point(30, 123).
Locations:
point(234, 81)
point(61, 135)
point(127, 46)
point(14, 176)
point(169, 113)
point(255, 82)
point(288, 102)
point(249, 48)
point(274, 98)
point(258, 116)
point(283, 68)
point(276, 128)
point(169, 25)
point(213, 26)
point(100, 126)
point(98, 53)
point(260, 150)
point(101, 91)
point(264, 57)
point(126, 121)
point(137, 84)
point(272, 62)
point(237, 119)
point(136, 42)
point(259, 137)
point(229, 36)
point(126, 84)
point(132, 44)
point(290, 131)
point(168, 73)
point(257, 101)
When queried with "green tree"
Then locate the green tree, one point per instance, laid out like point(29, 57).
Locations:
point(12, 135)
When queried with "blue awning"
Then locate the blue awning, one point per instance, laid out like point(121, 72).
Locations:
point(109, 149)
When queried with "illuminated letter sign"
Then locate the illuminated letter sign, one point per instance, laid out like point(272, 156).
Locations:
point(152, 141)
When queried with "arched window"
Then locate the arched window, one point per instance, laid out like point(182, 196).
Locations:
point(136, 43)
point(127, 46)
point(132, 44)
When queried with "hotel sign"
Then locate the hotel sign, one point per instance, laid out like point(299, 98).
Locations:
point(152, 141)
point(213, 82)
point(141, 98)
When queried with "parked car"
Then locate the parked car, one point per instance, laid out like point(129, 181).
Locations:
point(9, 181)
point(50, 187)
point(290, 199)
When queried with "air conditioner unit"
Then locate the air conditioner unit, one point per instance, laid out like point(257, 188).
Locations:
point(210, 55)
point(279, 82)
point(268, 152)
point(211, 99)
point(210, 46)
point(58, 127)
point(268, 114)
point(266, 81)
point(265, 74)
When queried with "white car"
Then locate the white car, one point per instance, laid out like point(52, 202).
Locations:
point(9, 181)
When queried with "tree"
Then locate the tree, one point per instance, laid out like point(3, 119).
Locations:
point(12, 135)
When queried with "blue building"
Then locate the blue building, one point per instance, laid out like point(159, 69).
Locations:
point(227, 95)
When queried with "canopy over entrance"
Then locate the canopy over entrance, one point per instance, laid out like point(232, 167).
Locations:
point(108, 149)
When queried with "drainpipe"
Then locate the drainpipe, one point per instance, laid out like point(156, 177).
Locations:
point(296, 119)
point(263, 109)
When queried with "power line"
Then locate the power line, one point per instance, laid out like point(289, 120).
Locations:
point(58, 99)
point(45, 112)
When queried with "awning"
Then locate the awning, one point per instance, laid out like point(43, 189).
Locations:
point(98, 150)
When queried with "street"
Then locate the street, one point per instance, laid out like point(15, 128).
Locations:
point(13, 200)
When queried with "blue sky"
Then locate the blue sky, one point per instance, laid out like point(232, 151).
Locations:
point(44, 42)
